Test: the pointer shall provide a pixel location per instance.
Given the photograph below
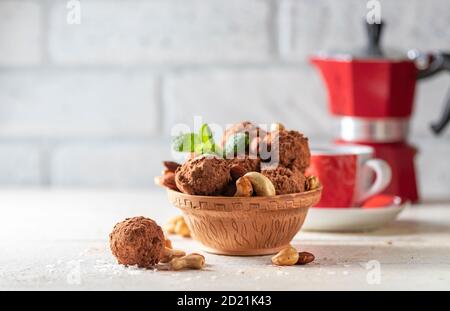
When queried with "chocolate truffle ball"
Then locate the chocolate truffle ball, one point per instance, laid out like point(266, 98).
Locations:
point(203, 175)
point(242, 127)
point(286, 180)
point(137, 241)
point(292, 151)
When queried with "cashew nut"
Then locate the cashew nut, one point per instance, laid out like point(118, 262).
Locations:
point(171, 224)
point(286, 257)
point(261, 184)
point(312, 182)
point(181, 228)
point(169, 254)
point(244, 187)
point(191, 261)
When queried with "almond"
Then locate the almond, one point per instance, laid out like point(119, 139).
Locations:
point(171, 166)
point(167, 180)
point(305, 258)
point(237, 171)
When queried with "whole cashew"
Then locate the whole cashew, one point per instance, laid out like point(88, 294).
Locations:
point(181, 228)
point(177, 225)
point(286, 257)
point(312, 182)
point(261, 184)
point(244, 187)
point(191, 261)
point(171, 224)
point(169, 254)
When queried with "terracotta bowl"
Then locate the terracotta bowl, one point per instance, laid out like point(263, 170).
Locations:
point(245, 226)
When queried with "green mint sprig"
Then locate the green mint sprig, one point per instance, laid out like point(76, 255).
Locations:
point(200, 143)
point(203, 143)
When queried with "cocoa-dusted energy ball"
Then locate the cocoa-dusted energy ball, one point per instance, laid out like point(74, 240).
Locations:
point(137, 241)
point(286, 180)
point(242, 127)
point(203, 175)
point(293, 149)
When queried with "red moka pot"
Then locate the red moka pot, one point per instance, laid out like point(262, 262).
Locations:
point(375, 88)
point(372, 93)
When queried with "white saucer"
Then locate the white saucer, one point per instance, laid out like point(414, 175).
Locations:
point(350, 219)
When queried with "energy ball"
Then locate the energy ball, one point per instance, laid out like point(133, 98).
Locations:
point(203, 175)
point(137, 241)
point(286, 180)
point(242, 127)
point(292, 151)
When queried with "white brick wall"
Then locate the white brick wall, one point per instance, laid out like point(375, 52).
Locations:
point(71, 103)
point(289, 95)
point(20, 33)
point(338, 25)
point(114, 164)
point(162, 31)
point(93, 104)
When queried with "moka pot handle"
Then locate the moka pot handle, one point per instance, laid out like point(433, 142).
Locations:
point(430, 65)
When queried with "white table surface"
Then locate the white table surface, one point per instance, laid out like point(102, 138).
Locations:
point(58, 239)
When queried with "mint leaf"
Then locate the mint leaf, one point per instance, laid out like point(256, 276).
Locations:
point(201, 143)
point(237, 144)
point(206, 134)
point(203, 148)
point(186, 142)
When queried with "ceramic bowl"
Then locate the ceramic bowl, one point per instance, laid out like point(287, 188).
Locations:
point(244, 226)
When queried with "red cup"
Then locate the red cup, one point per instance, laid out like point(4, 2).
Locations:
point(349, 174)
